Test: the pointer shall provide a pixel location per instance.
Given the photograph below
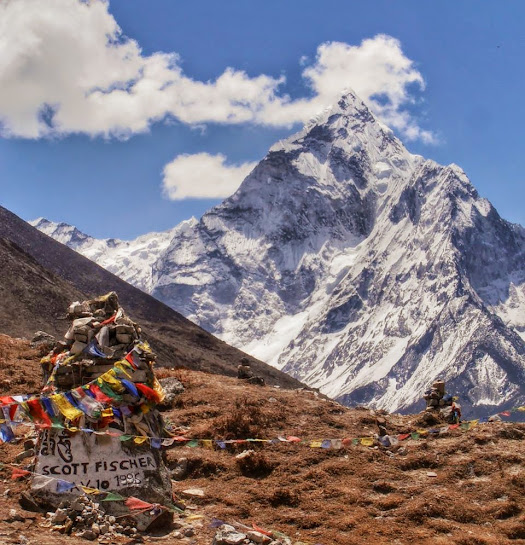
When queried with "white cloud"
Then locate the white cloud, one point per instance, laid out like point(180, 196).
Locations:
point(202, 176)
point(66, 68)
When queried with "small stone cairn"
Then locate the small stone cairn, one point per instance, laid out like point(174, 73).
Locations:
point(444, 404)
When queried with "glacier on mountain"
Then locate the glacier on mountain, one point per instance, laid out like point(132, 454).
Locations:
point(352, 264)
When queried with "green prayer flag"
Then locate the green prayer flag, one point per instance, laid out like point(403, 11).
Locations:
point(465, 425)
point(172, 507)
point(106, 389)
point(414, 436)
point(125, 437)
point(355, 442)
point(111, 496)
point(193, 443)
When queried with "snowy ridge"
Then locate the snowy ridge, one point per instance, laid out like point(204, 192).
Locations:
point(358, 268)
point(130, 260)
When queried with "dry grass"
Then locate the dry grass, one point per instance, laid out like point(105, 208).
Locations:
point(350, 496)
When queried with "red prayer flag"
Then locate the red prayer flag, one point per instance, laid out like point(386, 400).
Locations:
point(99, 394)
point(505, 413)
point(135, 503)
point(6, 400)
point(18, 473)
point(37, 412)
point(261, 531)
point(293, 439)
point(403, 436)
point(453, 426)
point(109, 320)
point(148, 393)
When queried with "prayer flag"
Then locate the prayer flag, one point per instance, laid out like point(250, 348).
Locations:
point(156, 442)
point(99, 394)
point(64, 486)
point(18, 473)
point(65, 407)
point(326, 443)
point(140, 440)
point(207, 443)
point(92, 349)
point(505, 413)
point(367, 441)
point(90, 491)
point(112, 496)
point(293, 439)
point(135, 503)
point(148, 392)
point(130, 387)
point(316, 444)
point(403, 436)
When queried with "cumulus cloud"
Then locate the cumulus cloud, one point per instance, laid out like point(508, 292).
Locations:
point(202, 175)
point(67, 68)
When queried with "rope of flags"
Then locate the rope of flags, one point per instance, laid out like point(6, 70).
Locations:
point(101, 400)
point(211, 444)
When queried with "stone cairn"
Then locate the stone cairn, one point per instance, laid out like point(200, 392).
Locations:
point(439, 401)
point(106, 433)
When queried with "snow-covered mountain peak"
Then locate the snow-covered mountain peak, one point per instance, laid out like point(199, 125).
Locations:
point(358, 268)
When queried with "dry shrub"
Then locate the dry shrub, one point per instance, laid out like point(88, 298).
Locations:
point(256, 465)
point(472, 540)
point(416, 460)
point(516, 433)
point(200, 467)
point(284, 497)
point(515, 530)
point(392, 501)
point(247, 419)
point(383, 487)
point(502, 510)
point(421, 509)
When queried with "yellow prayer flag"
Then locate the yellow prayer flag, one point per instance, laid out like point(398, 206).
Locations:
point(522, 408)
point(123, 366)
point(140, 440)
point(88, 490)
point(65, 407)
point(109, 377)
point(207, 443)
point(367, 441)
point(107, 412)
point(422, 432)
point(159, 389)
point(474, 423)
point(316, 444)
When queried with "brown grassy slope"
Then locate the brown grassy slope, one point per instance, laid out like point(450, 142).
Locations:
point(178, 342)
point(331, 497)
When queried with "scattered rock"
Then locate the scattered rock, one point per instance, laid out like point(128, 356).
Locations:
point(180, 471)
point(193, 492)
point(172, 388)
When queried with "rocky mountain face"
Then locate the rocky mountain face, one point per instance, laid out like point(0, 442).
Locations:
point(360, 269)
point(130, 260)
point(41, 277)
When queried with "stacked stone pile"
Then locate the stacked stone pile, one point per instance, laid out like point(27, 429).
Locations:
point(84, 518)
point(229, 535)
point(438, 400)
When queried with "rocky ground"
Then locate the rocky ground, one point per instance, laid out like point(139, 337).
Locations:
point(463, 487)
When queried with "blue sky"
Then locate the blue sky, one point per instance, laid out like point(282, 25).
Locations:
point(103, 172)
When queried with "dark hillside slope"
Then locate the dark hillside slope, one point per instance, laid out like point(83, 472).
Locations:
point(42, 276)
